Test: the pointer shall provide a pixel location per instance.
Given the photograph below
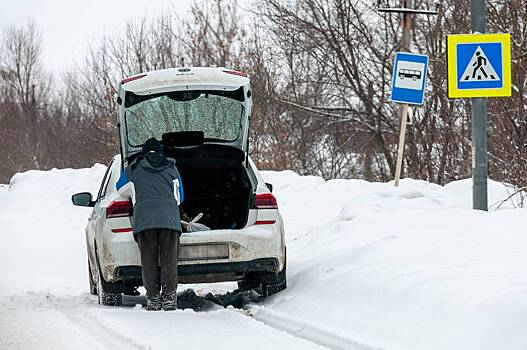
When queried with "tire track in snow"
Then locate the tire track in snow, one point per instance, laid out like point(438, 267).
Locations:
point(75, 311)
point(303, 330)
point(246, 303)
point(100, 333)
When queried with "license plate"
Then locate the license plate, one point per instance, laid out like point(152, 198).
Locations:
point(203, 251)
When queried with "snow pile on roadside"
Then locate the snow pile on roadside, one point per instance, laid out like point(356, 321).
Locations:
point(309, 201)
point(42, 242)
point(369, 266)
point(403, 268)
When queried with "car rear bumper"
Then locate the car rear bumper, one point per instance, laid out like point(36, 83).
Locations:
point(201, 273)
point(254, 248)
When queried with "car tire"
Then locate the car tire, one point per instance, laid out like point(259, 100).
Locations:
point(273, 283)
point(106, 292)
point(93, 285)
point(250, 281)
point(266, 283)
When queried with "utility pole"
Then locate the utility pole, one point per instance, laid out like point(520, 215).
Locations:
point(479, 122)
point(403, 108)
point(407, 11)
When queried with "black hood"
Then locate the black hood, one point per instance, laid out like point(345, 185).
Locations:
point(153, 152)
point(151, 157)
point(152, 145)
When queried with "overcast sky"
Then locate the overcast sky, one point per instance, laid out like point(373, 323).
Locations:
point(68, 26)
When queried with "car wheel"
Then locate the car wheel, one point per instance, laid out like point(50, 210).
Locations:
point(273, 283)
point(93, 285)
point(105, 295)
point(250, 281)
point(266, 283)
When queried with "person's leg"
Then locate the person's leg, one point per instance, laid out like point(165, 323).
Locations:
point(148, 242)
point(168, 253)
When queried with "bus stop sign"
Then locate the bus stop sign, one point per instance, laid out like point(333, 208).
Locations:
point(479, 65)
point(409, 78)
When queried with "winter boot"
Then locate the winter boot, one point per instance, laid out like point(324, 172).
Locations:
point(153, 303)
point(169, 301)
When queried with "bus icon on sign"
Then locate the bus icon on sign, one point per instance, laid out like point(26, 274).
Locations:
point(411, 74)
point(409, 78)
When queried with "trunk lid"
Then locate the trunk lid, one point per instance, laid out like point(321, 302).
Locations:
point(213, 101)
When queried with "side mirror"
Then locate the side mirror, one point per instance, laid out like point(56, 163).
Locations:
point(82, 199)
point(269, 186)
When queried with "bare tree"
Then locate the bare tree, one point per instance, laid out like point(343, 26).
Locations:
point(342, 50)
point(24, 94)
point(216, 33)
point(320, 74)
point(507, 116)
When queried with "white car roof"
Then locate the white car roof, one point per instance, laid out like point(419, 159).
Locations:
point(184, 78)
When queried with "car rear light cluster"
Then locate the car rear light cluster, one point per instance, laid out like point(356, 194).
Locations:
point(119, 209)
point(265, 201)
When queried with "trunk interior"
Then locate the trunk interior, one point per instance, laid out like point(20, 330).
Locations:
point(215, 183)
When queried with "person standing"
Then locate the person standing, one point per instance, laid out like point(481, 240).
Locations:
point(153, 183)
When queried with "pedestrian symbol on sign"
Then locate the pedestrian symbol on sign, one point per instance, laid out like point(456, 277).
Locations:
point(479, 68)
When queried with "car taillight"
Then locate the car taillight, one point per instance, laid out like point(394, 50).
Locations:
point(122, 230)
point(119, 209)
point(236, 72)
point(264, 222)
point(265, 201)
point(127, 80)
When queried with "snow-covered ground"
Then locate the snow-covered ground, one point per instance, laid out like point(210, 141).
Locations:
point(370, 266)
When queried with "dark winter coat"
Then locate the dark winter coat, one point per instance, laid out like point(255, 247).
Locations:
point(154, 188)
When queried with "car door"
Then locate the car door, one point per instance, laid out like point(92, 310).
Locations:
point(94, 221)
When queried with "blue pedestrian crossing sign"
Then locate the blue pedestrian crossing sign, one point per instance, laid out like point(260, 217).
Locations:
point(409, 78)
point(479, 65)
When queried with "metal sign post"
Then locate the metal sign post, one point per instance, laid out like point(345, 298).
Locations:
point(479, 123)
point(479, 66)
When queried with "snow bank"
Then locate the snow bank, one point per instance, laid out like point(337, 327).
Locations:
point(42, 242)
point(403, 268)
point(371, 265)
point(309, 201)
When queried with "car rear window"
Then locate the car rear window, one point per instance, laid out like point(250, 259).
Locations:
point(219, 117)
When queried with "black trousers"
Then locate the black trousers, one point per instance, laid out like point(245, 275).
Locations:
point(159, 257)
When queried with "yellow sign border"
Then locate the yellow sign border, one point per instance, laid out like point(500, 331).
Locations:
point(454, 39)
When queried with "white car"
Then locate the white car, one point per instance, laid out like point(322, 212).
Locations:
point(202, 117)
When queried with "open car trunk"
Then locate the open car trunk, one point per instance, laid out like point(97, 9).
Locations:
point(215, 183)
